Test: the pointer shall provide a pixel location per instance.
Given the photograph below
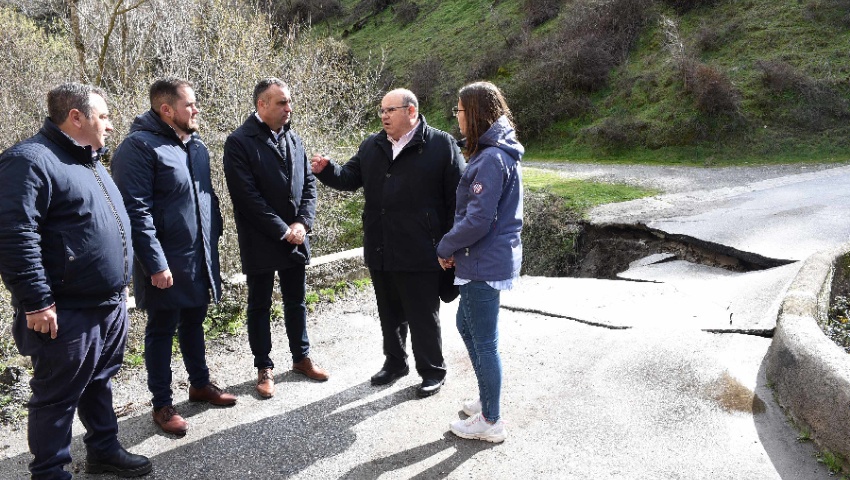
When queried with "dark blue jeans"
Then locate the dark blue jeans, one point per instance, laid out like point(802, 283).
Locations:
point(72, 372)
point(478, 324)
point(159, 336)
point(293, 290)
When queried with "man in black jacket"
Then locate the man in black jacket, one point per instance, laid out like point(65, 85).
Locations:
point(162, 169)
point(274, 203)
point(409, 172)
point(65, 257)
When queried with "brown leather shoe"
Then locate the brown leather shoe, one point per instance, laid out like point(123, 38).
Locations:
point(169, 421)
point(212, 395)
point(307, 367)
point(265, 382)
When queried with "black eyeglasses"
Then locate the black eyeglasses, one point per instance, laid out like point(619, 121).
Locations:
point(455, 110)
point(390, 110)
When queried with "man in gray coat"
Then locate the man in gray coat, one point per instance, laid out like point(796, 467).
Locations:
point(163, 171)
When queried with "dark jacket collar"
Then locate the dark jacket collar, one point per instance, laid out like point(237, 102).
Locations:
point(255, 126)
point(418, 137)
point(82, 154)
point(151, 122)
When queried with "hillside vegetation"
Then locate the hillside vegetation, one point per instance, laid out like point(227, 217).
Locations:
point(701, 81)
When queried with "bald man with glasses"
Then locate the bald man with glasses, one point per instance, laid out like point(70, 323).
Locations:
point(409, 172)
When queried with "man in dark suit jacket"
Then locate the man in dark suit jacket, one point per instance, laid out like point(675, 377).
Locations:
point(163, 171)
point(409, 172)
point(274, 203)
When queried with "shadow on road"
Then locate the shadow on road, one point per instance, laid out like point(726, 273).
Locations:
point(278, 446)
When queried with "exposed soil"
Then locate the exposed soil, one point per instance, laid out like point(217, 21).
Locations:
point(603, 252)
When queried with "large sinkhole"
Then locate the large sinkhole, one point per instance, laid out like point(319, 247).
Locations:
point(604, 251)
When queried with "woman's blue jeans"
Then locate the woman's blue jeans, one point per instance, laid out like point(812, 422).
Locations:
point(477, 322)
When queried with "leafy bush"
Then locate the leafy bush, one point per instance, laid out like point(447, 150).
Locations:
point(809, 104)
point(685, 6)
point(534, 112)
point(367, 8)
point(538, 12)
point(780, 77)
point(836, 12)
point(406, 12)
point(425, 78)
point(712, 90)
point(296, 12)
point(560, 69)
point(487, 65)
point(615, 133)
point(618, 22)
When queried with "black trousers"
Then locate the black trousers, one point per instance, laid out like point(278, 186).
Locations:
point(293, 291)
point(409, 301)
point(72, 372)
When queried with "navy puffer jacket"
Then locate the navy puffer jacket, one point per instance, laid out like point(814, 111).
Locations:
point(174, 211)
point(64, 233)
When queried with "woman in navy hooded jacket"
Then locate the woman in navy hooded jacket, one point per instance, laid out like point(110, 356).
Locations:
point(484, 245)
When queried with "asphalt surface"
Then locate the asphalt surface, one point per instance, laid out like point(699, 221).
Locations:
point(603, 379)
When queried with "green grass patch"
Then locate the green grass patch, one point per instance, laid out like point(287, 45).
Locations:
point(134, 357)
point(663, 126)
point(341, 289)
point(833, 461)
point(335, 292)
point(225, 318)
point(12, 409)
point(579, 195)
point(447, 30)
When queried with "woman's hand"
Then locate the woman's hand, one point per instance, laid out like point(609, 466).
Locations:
point(446, 263)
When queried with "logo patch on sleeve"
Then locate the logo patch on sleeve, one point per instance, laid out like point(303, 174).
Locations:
point(477, 188)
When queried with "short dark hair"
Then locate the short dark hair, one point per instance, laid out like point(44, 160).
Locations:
point(483, 104)
point(165, 90)
point(69, 96)
point(264, 85)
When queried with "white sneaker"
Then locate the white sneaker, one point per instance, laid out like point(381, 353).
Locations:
point(472, 407)
point(476, 428)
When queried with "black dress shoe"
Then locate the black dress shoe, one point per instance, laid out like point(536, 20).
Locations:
point(122, 463)
point(429, 387)
point(385, 376)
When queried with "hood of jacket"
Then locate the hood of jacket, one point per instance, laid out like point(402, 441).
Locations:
point(151, 122)
point(502, 135)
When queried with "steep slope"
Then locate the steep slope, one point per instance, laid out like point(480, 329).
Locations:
point(711, 81)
